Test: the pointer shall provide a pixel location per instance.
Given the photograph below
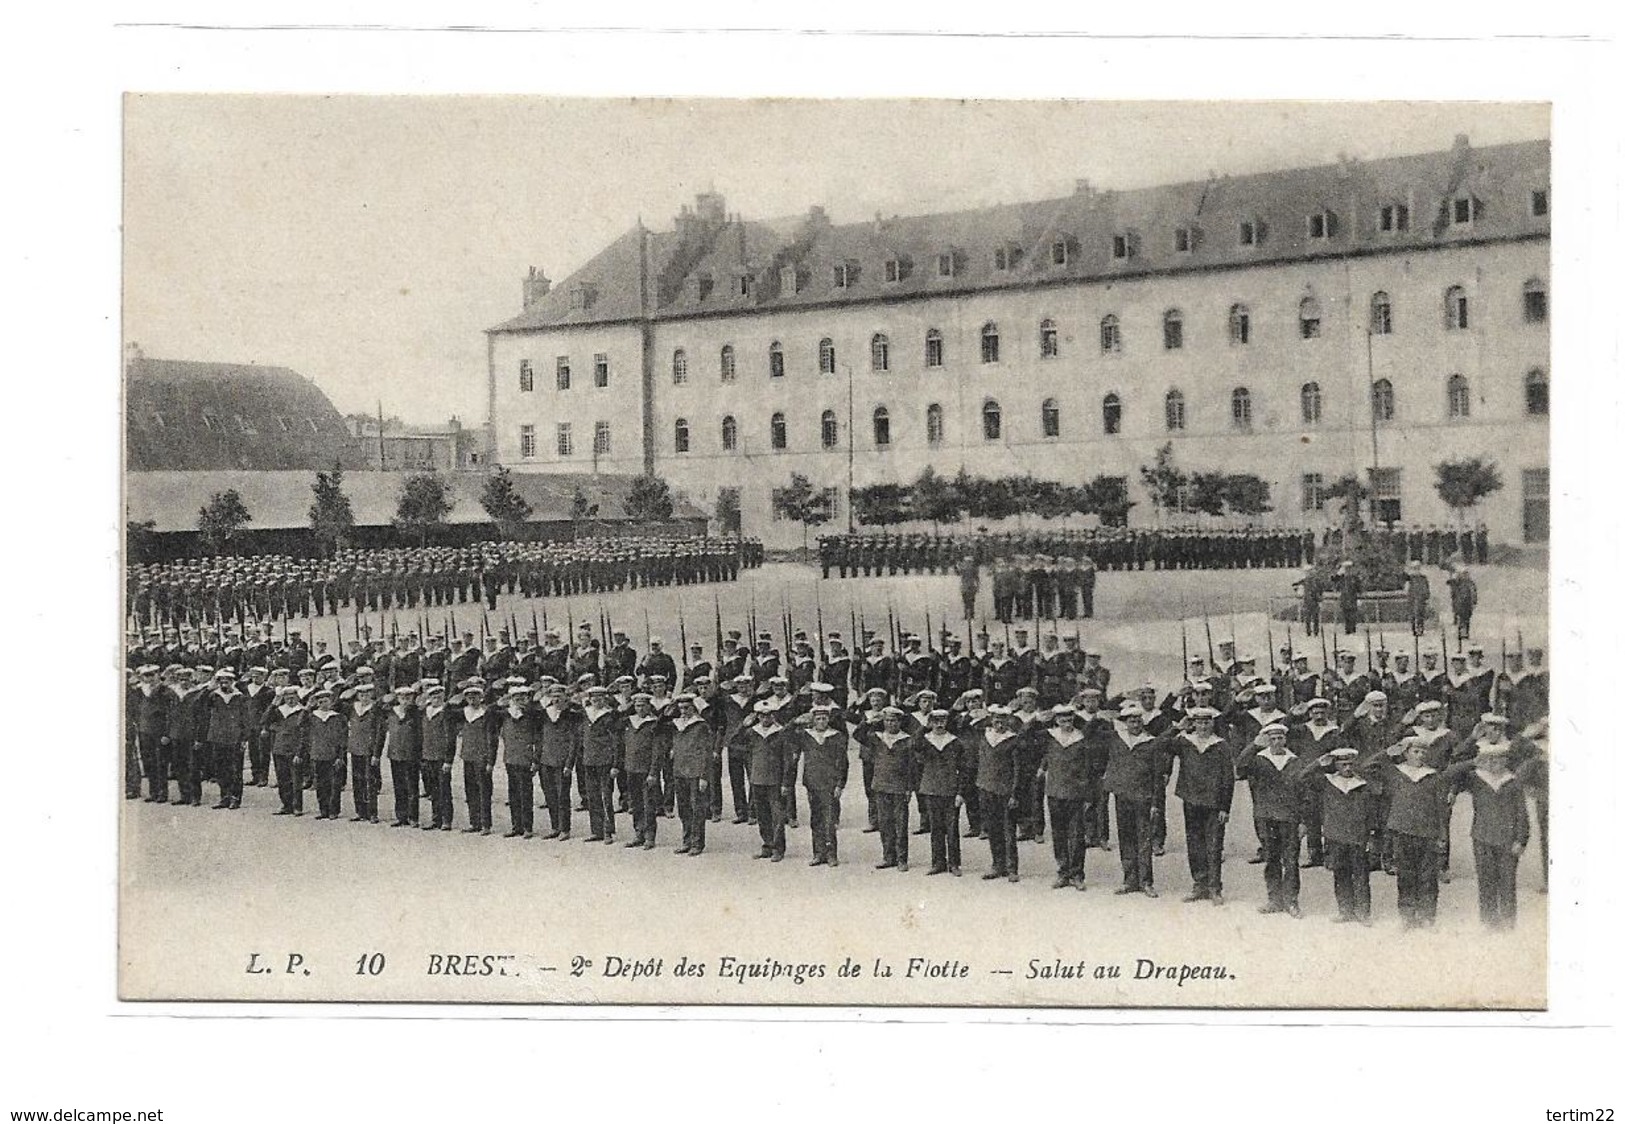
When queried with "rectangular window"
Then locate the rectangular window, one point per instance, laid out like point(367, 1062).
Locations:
point(600, 370)
point(1001, 259)
point(933, 350)
point(1320, 225)
point(562, 372)
point(1247, 233)
point(832, 500)
point(1314, 492)
point(945, 265)
point(527, 441)
point(744, 284)
point(1534, 306)
point(894, 270)
point(1182, 240)
point(1394, 218)
point(567, 445)
point(1461, 211)
point(1058, 252)
point(600, 438)
point(1538, 206)
point(527, 377)
point(1385, 494)
point(844, 276)
point(1173, 334)
point(706, 285)
point(1120, 246)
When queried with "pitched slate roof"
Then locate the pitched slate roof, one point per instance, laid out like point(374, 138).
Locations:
point(188, 415)
point(1499, 180)
point(281, 500)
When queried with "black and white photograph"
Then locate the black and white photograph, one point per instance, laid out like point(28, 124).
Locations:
point(870, 553)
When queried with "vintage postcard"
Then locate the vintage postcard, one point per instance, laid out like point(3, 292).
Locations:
point(861, 553)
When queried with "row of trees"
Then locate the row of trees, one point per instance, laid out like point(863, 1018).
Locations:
point(1173, 489)
point(425, 500)
point(937, 499)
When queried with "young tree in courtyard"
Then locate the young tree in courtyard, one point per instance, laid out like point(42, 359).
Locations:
point(801, 503)
point(1206, 493)
point(1462, 484)
point(1107, 497)
point(1163, 481)
point(880, 505)
point(220, 519)
point(1246, 494)
point(580, 506)
point(330, 515)
point(936, 499)
point(424, 503)
point(648, 499)
point(503, 503)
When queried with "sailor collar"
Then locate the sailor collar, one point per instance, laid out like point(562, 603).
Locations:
point(638, 721)
point(1345, 784)
point(433, 710)
point(324, 715)
point(1200, 744)
point(1414, 772)
point(553, 711)
point(1496, 781)
point(289, 711)
point(511, 712)
point(1065, 737)
point(892, 739)
point(1281, 760)
point(1265, 717)
point(363, 711)
point(595, 713)
point(1427, 736)
point(1322, 731)
point(821, 736)
point(685, 723)
point(939, 738)
point(473, 713)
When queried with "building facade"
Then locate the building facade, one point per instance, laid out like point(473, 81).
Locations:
point(1374, 318)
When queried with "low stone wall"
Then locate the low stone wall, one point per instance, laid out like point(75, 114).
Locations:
point(1375, 608)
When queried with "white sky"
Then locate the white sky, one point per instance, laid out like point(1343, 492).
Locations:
point(366, 242)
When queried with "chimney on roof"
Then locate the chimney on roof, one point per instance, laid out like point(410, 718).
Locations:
point(711, 208)
point(536, 286)
point(817, 216)
point(1462, 144)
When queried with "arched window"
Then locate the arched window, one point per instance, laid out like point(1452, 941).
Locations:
point(829, 430)
point(1308, 318)
point(1050, 416)
point(775, 360)
point(990, 343)
point(933, 424)
point(1382, 314)
point(933, 348)
point(880, 352)
point(1534, 301)
point(1537, 401)
point(777, 436)
point(992, 420)
point(1241, 324)
point(1309, 399)
point(1173, 411)
point(680, 437)
point(1241, 408)
point(826, 356)
point(1458, 396)
point(1382, 400)
point(882, 421)
point(1111, 336)
point(1455, 309)
point(679, 366)
point(1049, 340)
point(1111, 414)
point(726, 364)
point(730, 434)
point(1173, 330)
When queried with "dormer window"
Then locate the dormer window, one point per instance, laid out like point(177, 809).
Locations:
point(1394, 218)
point(1184, 239)
point(1249, 232)
point(1539, 205)
point(1462, 209)
point(846, 274)
point(745, 282)
point(897, 269)
point(583, 297)
point(948, 263)
point(789, 280)
point(1321, 225)
point(705, 283)
point(1060, 251)
point(1006, 257)
point(1123, 246)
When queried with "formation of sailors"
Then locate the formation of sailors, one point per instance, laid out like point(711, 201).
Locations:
point(275, 586)
point(1005, 743)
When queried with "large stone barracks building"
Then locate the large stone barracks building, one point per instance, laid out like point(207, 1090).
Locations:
point(1375, 317)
